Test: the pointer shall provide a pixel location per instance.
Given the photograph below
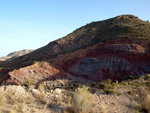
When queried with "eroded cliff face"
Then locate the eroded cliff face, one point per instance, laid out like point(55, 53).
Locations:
point(115, 59)
point(36, 72)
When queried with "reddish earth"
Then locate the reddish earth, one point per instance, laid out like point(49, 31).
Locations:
point(37, 72)
point(114, 59)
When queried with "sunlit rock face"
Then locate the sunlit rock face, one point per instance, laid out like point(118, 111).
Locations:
point(35, 72)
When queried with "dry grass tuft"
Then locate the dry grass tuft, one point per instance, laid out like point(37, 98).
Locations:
point(12, 99)
point(82, 101)
point(41, 87)
point(146, 104)
point(41, 96)
point(2, 99)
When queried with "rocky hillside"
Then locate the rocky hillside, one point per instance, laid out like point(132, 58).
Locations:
point(113, 48)
point(15, 54)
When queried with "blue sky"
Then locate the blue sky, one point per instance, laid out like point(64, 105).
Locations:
point(31, 24)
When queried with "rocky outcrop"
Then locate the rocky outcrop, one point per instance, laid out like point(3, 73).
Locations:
point(36, 72)
point(115, 59)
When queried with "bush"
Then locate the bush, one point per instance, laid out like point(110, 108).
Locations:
point(123, 83)
point(131, 77)
point(130, 92)
point(119, 94)
point(107, 83)
point(28, 83)
point(94, 84)
point(101, 86)
point(108, 91)
point(82, 100)
point(146, 104)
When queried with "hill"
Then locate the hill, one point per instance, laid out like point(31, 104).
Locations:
point(120, 27)
point(15, 54)
point(113, 48)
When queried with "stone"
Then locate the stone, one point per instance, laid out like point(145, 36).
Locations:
point(16, 90)
point(58, 90)
point(35, 91)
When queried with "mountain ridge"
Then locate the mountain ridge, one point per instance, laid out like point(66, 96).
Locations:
point(15, 54)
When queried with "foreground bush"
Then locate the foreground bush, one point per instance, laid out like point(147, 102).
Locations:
point(146, 104)
point(82, 101)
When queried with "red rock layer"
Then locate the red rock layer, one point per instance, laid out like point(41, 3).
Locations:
point(37, 72)
point(114, 59)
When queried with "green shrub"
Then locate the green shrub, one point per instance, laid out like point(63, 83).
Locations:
point(114, 85)
point(119, 94)
point(107, 84)
point(94, 84)
point(28, 83)
point(108, 91)
point(124, 83)
point(130, 92)
point(101, 86)
point(147, 77)
point(134, 84)
point(101, 90)
point(131, 77)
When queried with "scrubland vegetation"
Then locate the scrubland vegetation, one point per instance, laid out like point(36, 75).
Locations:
point(103, 97)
